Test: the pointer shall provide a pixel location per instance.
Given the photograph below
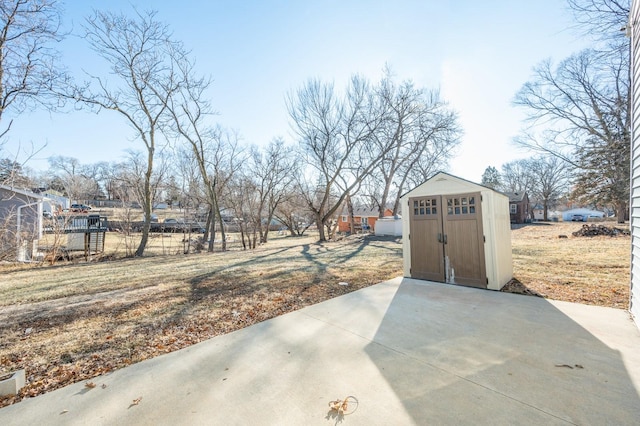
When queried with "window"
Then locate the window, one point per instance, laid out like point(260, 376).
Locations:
point(425, 207)
point(365, 220)
point(514, 208)
point(344, 218)
point(461, 206)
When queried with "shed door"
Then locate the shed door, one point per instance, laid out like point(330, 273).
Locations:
point(427, 251)
point(447, 242)
point(464, 241)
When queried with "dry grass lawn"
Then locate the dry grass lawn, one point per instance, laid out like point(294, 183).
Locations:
point(589, 270)
point(73, 321)
point(70, 322)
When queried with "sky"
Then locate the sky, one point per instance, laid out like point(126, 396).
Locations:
point(477, 54)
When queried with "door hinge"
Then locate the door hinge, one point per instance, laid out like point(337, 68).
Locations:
point(480, 198)
point(487, 280)
point(484, 239)
point(409, 236)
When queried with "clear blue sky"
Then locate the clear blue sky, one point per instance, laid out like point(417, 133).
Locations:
point(477, 53)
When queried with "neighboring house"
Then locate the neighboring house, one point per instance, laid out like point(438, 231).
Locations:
point(20, 221)
point(363, 219)
point(518, 206)
point(538, 213)
point(57, 202)
point(633, 28)
point(584, 213)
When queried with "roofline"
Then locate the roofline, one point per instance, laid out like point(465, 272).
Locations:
point(455, 177)
point(23, 192)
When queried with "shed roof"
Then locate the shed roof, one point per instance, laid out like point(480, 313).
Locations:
point(447, 176)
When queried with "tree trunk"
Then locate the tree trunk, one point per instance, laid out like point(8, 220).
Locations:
point(265, 237)
point(147, 204)
point(223, 235)
point(621, 206)
point(350, 212)
point(209, 230)
point(320, 226)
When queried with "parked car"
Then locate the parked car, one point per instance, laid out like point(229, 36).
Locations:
point(578, 218)
point(80, 208)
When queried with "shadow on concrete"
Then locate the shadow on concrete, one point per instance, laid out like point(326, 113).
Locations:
point(456, 355)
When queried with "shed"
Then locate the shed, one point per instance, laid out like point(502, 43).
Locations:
point(389, 226)
point(458, 232)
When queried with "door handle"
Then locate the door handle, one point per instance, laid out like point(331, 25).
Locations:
point(445, 238)
point(439, 237)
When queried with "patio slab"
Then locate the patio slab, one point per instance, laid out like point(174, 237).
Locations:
point(410, 352)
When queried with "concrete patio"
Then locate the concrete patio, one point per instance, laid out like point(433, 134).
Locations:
point(410, 352)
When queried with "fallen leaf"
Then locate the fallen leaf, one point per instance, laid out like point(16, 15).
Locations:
point(64, 411)
point(136, 401)
point(90, 385)
point(342, 405)
point(104, 386)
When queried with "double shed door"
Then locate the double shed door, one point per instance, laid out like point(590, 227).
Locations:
point(447, 242)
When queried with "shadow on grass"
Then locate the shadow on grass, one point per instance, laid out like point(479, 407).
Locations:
point(531, 224)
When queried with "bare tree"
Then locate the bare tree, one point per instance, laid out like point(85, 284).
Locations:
point(517, 176)
point(273, 171)
point(336, 136)
point(77, 179)
point(423, 132)
point(293, 212)
point(550, 175)
point(242, 198)
point(28, 61)
point(544, 178)
point(580, 109)
point(140, 51)
point(583, 105)
point(216, 151)
point(603, 20)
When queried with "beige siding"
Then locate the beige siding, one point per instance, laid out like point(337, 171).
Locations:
point(634, 22)
point(501, 259)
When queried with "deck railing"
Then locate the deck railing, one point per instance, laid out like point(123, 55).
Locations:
point(76, 224)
